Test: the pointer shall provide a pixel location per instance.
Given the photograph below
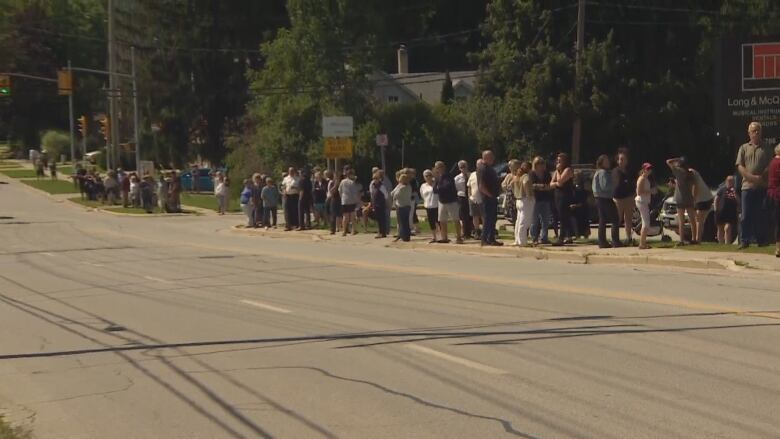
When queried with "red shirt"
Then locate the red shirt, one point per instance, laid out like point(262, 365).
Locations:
point(774, 179)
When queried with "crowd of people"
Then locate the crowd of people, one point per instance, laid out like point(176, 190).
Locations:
point(127, 189)
point(466, 203)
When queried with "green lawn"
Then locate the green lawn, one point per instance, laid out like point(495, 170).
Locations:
point(52, 186)
point(18, 173)
point(207, 201)
point(9, 432)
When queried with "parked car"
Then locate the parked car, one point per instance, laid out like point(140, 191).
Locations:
point(205, 181)
point(669, 218)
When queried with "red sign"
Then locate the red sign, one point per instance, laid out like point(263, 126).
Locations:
point(761, 66)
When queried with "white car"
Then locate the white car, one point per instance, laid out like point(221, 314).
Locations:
point(669, 218)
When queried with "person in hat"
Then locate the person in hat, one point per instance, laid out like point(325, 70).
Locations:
point(643, 196)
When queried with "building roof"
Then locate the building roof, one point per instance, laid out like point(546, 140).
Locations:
point(427, 86)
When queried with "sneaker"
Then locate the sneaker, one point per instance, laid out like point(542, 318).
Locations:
point(459, 241)
point(443, 241)
point(496, 244)
point(604, 245)
point(743, 246)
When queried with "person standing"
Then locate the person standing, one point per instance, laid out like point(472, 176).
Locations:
point(773, 176)
point(221, 191)
point(476, 209)
point(256, 200)
point(53, 170)
point(125, 183)
point(430, 201)
point(305, 201)
point(334, 201)
point(174, 191)
point(448, 202)
point(291, 186)
point(245, 200)
point(350, 197)
point(490, 188)
point(752, 163)
point(510, 212)
point(643, 196)
point(319, 195)
point(461, 181)
point(542, 216)
point(603, 189)
point(702, 198)
point(683, 197)
point(402, 199)
point(379, 203)
point(270, 196)
point(563, 184)
point(524, 196)
point(726, 211)
point(623, 196)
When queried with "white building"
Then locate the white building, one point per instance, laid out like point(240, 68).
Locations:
point(405, 87)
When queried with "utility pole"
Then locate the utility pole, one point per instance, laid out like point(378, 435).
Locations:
point(70, 112)
point(112, 87)
point(135, 112)
point(576, 137)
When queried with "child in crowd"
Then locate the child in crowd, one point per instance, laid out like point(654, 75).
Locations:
point(270, 196)
point(245, 201)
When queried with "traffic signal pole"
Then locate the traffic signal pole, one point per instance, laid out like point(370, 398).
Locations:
point(72, 134)
point(576, 137)
point(135, 112)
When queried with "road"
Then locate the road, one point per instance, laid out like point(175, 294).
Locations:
point(122, 327)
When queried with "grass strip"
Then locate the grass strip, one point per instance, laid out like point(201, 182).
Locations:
point(52, 186)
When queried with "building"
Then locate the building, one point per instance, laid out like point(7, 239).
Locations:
point(405, 87)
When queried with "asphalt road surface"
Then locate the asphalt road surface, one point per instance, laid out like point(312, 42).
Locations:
point(119, 327)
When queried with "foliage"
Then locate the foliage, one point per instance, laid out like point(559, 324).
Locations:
point(9, 432)
point(56, 143)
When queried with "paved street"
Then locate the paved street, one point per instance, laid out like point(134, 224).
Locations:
point(177, 327)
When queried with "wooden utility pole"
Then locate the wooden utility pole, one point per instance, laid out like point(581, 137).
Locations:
point(576, 137)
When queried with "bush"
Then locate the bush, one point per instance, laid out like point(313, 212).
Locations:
point(55, 143)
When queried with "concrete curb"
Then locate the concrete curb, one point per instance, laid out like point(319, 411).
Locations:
point(138, 215)
point(571, 256)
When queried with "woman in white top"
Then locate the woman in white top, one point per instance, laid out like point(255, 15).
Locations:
point(475, 197)
point(523, 190)
point(430, 202)
point(642, 200)
point(221, 191)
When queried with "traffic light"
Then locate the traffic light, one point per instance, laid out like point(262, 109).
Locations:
point(5, 85)
point(82, 121)
point(65, 82)
point(105, 127)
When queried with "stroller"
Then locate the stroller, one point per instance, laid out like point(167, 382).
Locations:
point(656, 225)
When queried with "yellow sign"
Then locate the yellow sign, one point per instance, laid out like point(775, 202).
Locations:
point(65, 82)
point(338, 147)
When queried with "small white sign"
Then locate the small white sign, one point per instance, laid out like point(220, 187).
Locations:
point(381, 140)
point(337, 126)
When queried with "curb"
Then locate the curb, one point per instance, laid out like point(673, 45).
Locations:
point(567, 256)
point(139, 215)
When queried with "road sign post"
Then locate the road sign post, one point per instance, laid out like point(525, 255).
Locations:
point(382, 142)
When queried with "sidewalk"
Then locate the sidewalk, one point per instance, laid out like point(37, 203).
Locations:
point(577, 254)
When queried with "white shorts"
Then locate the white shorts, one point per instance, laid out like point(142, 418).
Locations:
point(449, 211)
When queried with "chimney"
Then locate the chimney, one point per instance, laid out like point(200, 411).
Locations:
point(403, 60)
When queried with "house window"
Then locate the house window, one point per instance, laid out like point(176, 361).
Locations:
point(392, 99)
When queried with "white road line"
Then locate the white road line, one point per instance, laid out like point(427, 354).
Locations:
point(264, 306)
point(47, 254)
point(157, 279)
point(92, 264)
point(458, 360)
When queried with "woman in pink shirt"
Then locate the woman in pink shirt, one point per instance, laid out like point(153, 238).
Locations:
point(774, 194)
